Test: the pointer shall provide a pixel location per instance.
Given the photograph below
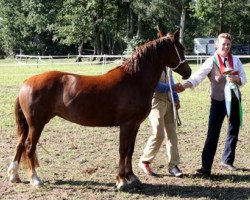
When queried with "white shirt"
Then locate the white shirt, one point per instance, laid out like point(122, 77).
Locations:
point(207, 66)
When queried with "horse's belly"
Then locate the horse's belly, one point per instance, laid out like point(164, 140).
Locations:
point(98, 122)
point(100, 119)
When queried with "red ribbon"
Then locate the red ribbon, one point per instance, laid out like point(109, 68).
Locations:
point(230, 61)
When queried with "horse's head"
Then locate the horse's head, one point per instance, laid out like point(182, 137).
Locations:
point(176, 59)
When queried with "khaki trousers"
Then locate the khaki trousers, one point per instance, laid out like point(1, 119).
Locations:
point(163, 125)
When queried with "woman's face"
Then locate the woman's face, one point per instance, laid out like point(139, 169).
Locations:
point(223, 47)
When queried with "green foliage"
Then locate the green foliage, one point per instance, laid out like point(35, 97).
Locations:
point(213, 17)
point(155, 12)
point(59, 26)
point(13, 23)
point(73, 24)
point(26, 25)
point(132, 44)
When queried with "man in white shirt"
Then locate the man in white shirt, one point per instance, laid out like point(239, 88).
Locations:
point(226, 75)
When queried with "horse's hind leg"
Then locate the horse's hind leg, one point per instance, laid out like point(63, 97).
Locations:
point(32, 161)
point(13, 168)
point(22, 132)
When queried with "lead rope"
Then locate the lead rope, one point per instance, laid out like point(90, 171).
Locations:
point(178, 119)
point(45, 149)
point(176, 114)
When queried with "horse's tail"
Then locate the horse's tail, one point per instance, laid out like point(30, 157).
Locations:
point(22, 132)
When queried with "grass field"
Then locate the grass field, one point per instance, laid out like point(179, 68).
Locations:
point(81, 162)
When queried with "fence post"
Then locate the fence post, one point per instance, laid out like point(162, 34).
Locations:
point(103, 62)
point(37, 60)
point(197, 60)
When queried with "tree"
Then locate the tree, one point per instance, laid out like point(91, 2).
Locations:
point(40, 15)
point(109, 26)
point(13, 26)
point(26, 25)
point(215, 17)
point(160, 13)
point(74, 23)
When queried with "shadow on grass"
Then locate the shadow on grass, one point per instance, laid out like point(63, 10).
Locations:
point(83, 183)
point(163, 190)
point(229, 177)
point(192, 191)
point(214, 191)
point(88, 185)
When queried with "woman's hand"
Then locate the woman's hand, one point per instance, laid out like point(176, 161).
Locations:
point(234, 79)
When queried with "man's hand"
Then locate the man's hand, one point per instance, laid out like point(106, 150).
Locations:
point(177, 105)
point(178, 87)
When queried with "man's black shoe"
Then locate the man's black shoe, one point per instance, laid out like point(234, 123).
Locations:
point(203, 172)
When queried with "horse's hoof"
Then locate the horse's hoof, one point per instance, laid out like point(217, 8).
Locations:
point(134, 180)
point(121, 185)
point(13, 172)
point(36, 182)
point(14, 179)
point(135, 183)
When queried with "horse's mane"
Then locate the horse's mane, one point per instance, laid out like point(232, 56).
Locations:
point(144, 55)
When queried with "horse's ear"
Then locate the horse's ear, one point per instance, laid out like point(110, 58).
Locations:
point(160, 32)
point(177, 35)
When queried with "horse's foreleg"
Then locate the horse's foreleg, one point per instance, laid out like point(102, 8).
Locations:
point(130, 176)
point(128, 133)
point(121, 181)
point(35, 181)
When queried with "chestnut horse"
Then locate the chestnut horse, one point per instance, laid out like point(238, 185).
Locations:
point(121, 97)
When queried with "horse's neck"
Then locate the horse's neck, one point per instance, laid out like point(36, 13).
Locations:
point(151, 67)
point(149, 76)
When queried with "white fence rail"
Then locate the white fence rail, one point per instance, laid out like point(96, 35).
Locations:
point(90, 59)
point(70, 59)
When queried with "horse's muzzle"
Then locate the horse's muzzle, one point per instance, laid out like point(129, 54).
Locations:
point(187, 73)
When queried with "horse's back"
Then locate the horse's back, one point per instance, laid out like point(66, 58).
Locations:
point(85, 100)
point(43, 79)
point(104, 100)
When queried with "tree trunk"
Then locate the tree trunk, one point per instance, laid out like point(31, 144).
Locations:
point(221, 29)
point(80, 48)
point(102, 43)
point(139, 30)
point(130, 24)
point(97, 41)
point(110, 40)
point(182, 23)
